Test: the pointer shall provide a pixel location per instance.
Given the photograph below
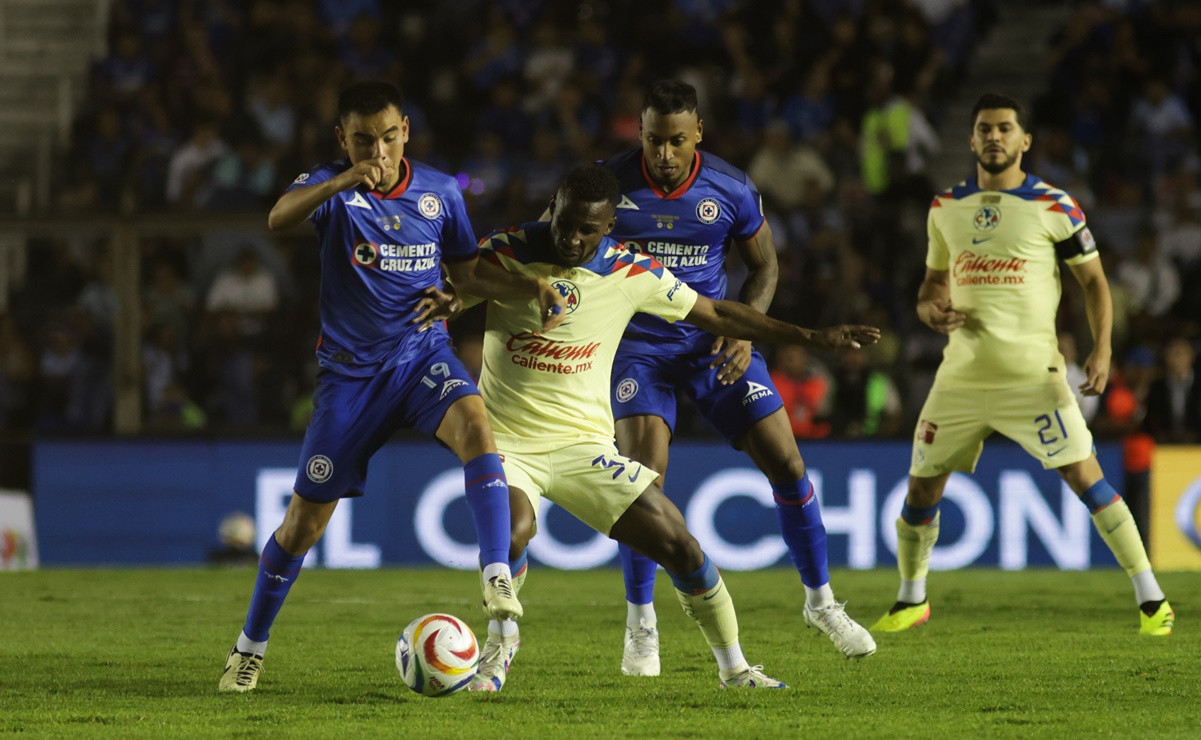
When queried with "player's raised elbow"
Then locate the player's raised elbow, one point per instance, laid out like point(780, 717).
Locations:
point(276, 220)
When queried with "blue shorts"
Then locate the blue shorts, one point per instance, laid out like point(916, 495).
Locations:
point(646, 385)
point(353, 417)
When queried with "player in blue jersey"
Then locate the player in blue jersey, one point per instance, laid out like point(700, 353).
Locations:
point(688, 210)
point(386, 227)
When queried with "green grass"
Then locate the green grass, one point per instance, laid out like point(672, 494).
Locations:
point(1047, 654)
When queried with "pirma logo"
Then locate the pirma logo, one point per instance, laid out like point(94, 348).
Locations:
point(626, 389)
point(755, 391)
point(430, 206)
point(301, 178)
point(319, 468)
point(449, 386)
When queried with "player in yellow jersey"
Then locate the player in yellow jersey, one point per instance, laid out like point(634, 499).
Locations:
point(992, 285)
point(547, 395)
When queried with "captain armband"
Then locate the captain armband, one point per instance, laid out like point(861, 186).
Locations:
point(1076, 245)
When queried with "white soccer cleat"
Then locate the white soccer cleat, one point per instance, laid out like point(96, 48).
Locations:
point(500, 599)
point(494, 662)
point(241, 671)
point(750, 677)
point(846, 634)
point(641, 656)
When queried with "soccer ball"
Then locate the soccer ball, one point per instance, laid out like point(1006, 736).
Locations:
point(437, 655)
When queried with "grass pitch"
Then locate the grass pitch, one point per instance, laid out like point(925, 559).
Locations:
point(1035, 654)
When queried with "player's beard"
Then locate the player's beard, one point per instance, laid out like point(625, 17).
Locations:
point(996, 167)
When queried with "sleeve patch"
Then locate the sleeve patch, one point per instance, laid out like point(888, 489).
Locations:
point(1077, 245)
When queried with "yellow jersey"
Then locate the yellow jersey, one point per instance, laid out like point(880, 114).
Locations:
point(1002, 250)
point(548, 391)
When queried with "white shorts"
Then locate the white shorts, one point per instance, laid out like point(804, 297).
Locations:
point(1044, 419)
point(592, 481)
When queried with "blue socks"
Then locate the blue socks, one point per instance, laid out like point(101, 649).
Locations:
point(916, 516)
point(699, 581)
point(1099, 495)
point(278, 570)
point(488, 499)
point(802, 529)
point(639, 572)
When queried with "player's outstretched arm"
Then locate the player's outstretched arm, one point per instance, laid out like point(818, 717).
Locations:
point(485, 279)
point(1099, 306)
point(934, 303)
point(730, 319)
point(294, 206)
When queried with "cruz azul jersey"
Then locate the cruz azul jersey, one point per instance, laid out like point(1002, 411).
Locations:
point(378, 253)
point(545, 392)
point(1001, 249)
point(689, 231)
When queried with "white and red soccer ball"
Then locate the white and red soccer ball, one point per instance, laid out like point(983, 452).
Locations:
point(437, 655)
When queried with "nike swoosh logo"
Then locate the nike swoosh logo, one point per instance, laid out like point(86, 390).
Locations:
point(981, 241)
point(715, 593)
point(1115, 527)
point(1056, 452)
point(634, 477)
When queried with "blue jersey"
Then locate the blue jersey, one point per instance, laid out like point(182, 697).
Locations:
point(378, 254)
point(689, 231)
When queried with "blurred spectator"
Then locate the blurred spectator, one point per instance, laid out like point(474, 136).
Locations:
point(490, 172)
point(17, 371)
point(1174, 399)
point(542, 171)
point(364, 53)
point(804, 386)
point(108, 153)
point(61, 360)
point(897, 138)
point(164, 362)
point(494, 57)
point(1124, 403)
point(1152, 281)
point(244, 178)
point(548, 62)
point(246, 290)
point(125, 71)
point(340, 15)
point(177, 412)
point(188, 173)
point(504, 117)
point(168, 300)
point(866, 402)
point(810, 112)
point(784, 171)
point(1163, 125)
point(269, 103)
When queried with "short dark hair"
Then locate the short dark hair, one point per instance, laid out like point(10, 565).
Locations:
point(368, 98)
point(996, 101)
point(670, 96)
point(591, 183)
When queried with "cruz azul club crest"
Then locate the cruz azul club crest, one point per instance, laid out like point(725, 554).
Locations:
point(430, 206)
point(708, 210)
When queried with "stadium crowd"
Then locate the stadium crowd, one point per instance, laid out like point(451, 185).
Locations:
point(214, 106)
